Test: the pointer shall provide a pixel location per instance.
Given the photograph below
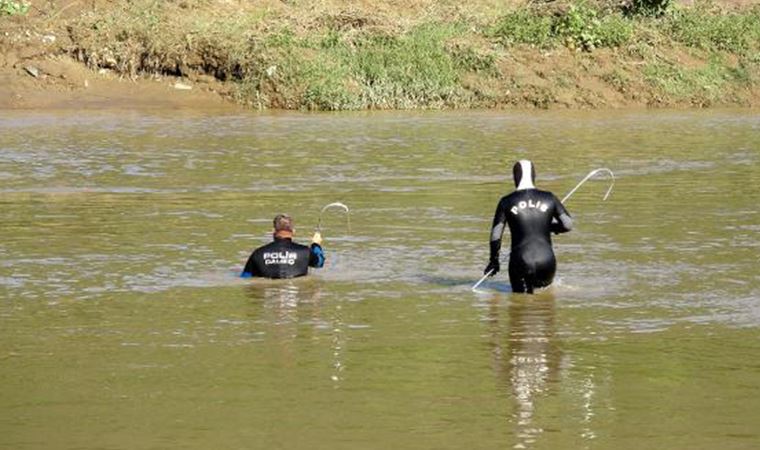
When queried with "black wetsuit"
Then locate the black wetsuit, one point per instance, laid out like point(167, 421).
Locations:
point(283, 258)
point(531, 214)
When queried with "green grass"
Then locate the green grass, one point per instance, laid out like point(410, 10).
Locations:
point(713, 30)
point(334, 72)
point(580, 27)
point(346, 60)
point(415, 67)
point(524, 26)
point(617, 79)
point(702, 86)
point(13, 8)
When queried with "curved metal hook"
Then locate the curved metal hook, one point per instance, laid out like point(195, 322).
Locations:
point(334, 205)
point(586, 178)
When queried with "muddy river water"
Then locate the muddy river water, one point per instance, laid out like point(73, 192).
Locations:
point(123, 324)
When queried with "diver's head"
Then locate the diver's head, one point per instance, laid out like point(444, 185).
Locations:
point(524, 174)
point(283, 226)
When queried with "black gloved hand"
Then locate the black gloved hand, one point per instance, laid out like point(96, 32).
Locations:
point(493, 267)
point(554, 226)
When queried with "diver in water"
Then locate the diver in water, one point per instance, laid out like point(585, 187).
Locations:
point(532, 215)
point(283, 258)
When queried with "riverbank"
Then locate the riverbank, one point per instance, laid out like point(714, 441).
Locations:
point(419, 54)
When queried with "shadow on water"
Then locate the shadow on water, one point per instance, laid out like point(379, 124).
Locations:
point(488, 285)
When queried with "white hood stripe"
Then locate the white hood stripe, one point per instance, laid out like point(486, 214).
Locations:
point(526, 182)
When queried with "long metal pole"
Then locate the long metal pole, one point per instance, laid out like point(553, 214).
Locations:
point(488, 274)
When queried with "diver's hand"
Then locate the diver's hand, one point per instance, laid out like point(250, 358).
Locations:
point(554, 227)
point(493, 267)
point(317, 238)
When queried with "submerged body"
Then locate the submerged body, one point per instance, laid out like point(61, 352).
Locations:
point(532, 215)
point(283, 258)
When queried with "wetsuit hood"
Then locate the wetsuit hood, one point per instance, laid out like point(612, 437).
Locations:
point(524, 174)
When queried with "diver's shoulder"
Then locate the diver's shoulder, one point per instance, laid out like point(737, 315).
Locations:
point(511, 196)
point(301, 246)
point(295, 246)
point(547, 194)
point(265, 247)
point(522, 193)
point(279, 245)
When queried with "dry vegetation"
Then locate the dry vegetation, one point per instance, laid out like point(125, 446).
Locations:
point(334, 55)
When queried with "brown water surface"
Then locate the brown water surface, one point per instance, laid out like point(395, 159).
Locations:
point(123, 324)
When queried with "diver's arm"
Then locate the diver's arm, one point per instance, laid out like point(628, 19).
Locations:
point(561, 220)
point(497, 230)
point(563, 225)
point(250, 269)
point(317, 256)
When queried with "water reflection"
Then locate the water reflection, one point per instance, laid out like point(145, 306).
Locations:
point(285, 305)
point(294, 310)
point(527, 356)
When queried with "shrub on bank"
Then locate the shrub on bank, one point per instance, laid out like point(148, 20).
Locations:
point(580, 27)
point(583, 27)
point(13, 8)
point(648, 8)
